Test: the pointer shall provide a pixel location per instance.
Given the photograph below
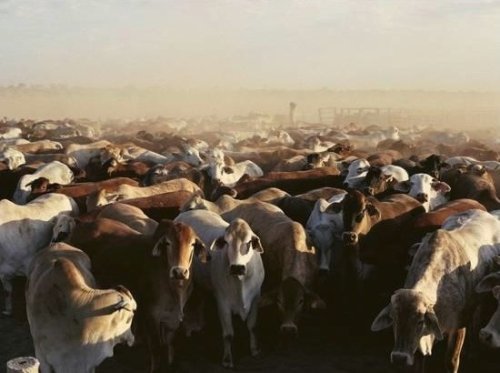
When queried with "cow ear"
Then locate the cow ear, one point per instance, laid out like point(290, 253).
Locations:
point(496, 292)
point(334, 208)
point(268, 298)
point(228, 170)
point(314, 301)
point(383, 320)
point(488, 283)
point(256, 244)
point(201, 251)
point(432, 324)
point(372, 210)
point(402, 186)
point(218, 244)
point(441, 186)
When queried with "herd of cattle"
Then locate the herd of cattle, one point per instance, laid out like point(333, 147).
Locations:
point(123, 237)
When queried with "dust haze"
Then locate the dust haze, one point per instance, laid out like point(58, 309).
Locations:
point(145, 58)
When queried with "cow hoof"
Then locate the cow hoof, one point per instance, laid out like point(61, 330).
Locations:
point(7, 313)
point(227, 364)
point(255, 352)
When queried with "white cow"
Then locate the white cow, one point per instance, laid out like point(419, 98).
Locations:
point(325, 226)
point(458, 160)
point(12, 157)
point(55, 172)
point(229, 175)
point(23, 231)
point(490, 334)
point(438, 297)
point(10, 133)
point(84, 152)
point(235, 273)
point(74, 325)
point(356, 172)
point(426, 189)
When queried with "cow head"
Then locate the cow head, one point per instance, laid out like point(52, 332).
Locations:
point(191, 155)
point(356, 173)
point(292, 298)
point(377, 182)
point(359, 215)
point(63, 227)
point(432, 164)
point(175, 245)
point(414, 323)
point(240, 244)
point(490, 334)
point(426, 189)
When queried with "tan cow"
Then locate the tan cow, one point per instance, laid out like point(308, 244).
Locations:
point(438, 296)
point(74, 325)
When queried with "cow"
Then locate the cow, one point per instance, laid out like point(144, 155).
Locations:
point(356, 173)
point(325, 226)
point(130, 215)
point(490, 334)
point(426, 189)
point(438, 295)
point(55, 172)
point(290, 262)
point(12, 158)
point(475, 183)
point(229, 175)
point(23, 231)
point(379, 180)
point(41, 146)
point(84, 152)
point(126, 192)
point(74, 325)
point(235, 272)
point(156, 269)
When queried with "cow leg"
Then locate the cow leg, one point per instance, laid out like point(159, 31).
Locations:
point(251, 324)
point(153, 339)
point(455, 344)
point(227, 334)
point(169, 338)
point(7, 287)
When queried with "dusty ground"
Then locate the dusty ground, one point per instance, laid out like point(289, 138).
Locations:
point(323, 346)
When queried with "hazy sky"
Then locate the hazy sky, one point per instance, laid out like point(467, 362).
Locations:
point(424, 44)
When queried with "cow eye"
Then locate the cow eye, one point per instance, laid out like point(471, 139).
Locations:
point(359, 217)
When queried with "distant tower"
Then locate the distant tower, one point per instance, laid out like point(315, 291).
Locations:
point(293, 106)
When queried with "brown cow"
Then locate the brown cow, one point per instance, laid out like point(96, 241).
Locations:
point(290, 261)
point(157, 270)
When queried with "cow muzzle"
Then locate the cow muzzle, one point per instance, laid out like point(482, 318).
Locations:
point(289, 329)
point(237, 270)
point(422, 197)
point(350, 238)
point(487, 337)
point(401, 359)
point(179, 273)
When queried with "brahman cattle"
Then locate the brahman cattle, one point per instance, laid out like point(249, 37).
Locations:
point(438, 295)
point(25, 230)
point(235, 273)
point(426, 189)
point(55, 172)
point(490, 334)
point(74, 325)
point(289, 260)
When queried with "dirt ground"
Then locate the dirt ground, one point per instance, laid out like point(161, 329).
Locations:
point(325, 344)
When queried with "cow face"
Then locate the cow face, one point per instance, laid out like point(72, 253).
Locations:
point(191, 156)
point(63, 227)
point(176, 244)
point(376, 181)
point(426, 189)
point(490, 334)
point(241, 243)
point(359, 215)
point(414, 322)
point(356, 173)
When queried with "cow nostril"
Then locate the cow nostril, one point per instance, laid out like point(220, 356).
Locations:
point(237, 269)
